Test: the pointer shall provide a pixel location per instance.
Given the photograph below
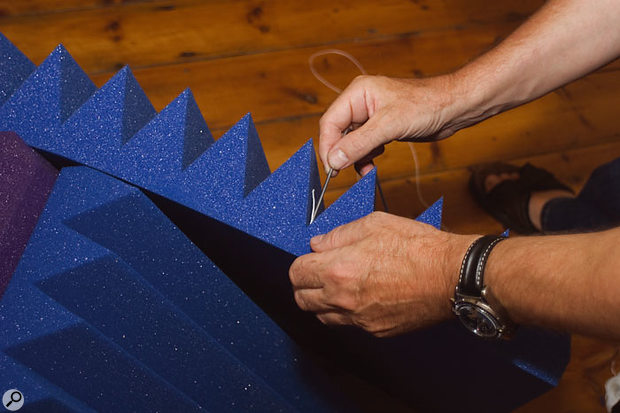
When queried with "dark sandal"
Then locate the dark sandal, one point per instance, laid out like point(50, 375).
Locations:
point(508, 202)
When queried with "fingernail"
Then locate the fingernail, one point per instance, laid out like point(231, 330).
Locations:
point(367, 168)
point(338, 159)
point(316, 239)
point(334, 172)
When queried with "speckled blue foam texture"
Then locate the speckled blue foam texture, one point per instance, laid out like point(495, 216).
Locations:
point(102, 124)
point(14, 68)
point(115, 129)
point(26, 179)
point(113, 306)
point(432, 215)
point(252, 223)
point(46, 98)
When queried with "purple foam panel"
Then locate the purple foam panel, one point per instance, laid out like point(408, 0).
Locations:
point(26, 180)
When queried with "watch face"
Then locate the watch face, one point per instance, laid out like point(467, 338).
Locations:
point(477, 320)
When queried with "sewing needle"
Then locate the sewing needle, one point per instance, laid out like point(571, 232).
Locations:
point(315, 208)
point(318, 203)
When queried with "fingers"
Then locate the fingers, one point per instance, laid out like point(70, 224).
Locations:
point(349, 108)
point(335, 318)
point(364, 168)
point(340, 236)
point(315, 301)
point(311, 295)
point(312, 300)
point(365, 165)
point(358, 144)
point(304, 272)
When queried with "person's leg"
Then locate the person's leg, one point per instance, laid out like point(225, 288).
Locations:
point(540, 199)
point(515, 195)
point(596, 207)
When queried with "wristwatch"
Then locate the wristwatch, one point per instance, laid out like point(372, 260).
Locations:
point(473, 303)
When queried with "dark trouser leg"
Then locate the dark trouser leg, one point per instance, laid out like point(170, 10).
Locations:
point(596, 207)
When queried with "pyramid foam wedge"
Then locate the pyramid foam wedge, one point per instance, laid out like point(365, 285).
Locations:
point(26, 179)
point(112, 306)
point(15, 67)
point(116, 130)
point(253, 223)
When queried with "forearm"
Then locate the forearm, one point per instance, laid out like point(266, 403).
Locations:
point(564, 40)
point(567, 282)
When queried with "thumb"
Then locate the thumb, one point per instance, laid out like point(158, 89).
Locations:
point(358, 143)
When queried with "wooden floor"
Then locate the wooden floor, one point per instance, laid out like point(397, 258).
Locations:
point(252, 56)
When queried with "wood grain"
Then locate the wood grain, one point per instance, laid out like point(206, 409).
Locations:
point(581, 115)
point(581, 389)
point(149, 34)
point(461, 214)
point(37, 7)
point(279, 84)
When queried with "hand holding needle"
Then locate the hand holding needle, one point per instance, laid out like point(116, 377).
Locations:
point(316, 205)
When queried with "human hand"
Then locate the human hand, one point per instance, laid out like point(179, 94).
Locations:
point(383, 273)
point(381, 109)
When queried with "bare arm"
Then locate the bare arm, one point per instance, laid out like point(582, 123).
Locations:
point(567, 282)
point(563, 41)
point(390, 275)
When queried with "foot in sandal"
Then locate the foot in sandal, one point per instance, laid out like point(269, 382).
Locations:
point(515, 196)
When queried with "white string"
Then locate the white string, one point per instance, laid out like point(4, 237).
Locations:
point(612, 367)
point(416, 166)
point(336, 89)
point(324, 52)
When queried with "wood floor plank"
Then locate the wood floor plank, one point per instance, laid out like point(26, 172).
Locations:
point(581, 388)
point(243, 56)
point(14, 9)
point(279, 84)
point(461, 214)
point(148, 34)
point(581, 115)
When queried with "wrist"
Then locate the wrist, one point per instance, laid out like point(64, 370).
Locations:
point(483, 89)
point(456, 249)
point(467, 101)
point(473, 302)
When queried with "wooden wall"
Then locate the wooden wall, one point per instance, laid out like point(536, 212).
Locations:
point(252, 56)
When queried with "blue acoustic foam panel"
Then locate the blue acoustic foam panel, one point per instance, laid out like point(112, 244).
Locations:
point(253, 223)
point(46, 98)
point(414, 367)
point(14, 68)
point(113, 307)
point(116, 130)
point(26, 179)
